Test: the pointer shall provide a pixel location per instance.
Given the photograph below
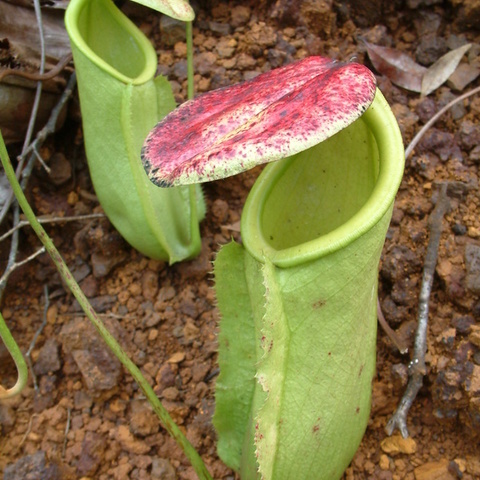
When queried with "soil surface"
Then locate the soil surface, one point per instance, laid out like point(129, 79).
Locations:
point(82, 416)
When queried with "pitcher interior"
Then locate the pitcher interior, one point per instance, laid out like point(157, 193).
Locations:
point(321, 188)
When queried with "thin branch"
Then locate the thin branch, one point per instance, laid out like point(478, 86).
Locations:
point(417, 368)
point(15, 265)
point(67, 429)
point(422, 131)
point(47, 219)
point(29, 429)
point(38, 92)
point(39, 77)
point(392, 334)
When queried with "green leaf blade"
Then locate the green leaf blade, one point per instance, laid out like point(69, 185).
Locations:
point(237, 351)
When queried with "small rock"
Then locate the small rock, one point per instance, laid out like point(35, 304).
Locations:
point(204, 63)
point(462, 76)
point(46, 394)
point(89, 286)
point(7, 417)
point(430, 49)
point(177, 357)
point(397, 444)
point(162, 469)
point(100, 304)
point(226, 47)
point(61, 169)
point(245, 62)
point(220, 28)
point(150, 285)
point(469, 134)
point(240, 15)
point(48, 360)
point(258, 38)
point(91, 457)
point(172, 30)
point(474, 336)
point(407, 120)
point(472, 264)
point(142, 420)
point(434, 471)
point(459, 229)
point(473, 465)
point(100, 369)
point(129, 442)
point(170, 393)
point(384, 462)
point(440, 143)
point(103, 264)
point(32, 467)
point(82, 400)
point(180, 70)
point(165, 376)
point(463, 324)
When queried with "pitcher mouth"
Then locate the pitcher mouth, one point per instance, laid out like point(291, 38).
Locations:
point(317, 202)
point(111, 40)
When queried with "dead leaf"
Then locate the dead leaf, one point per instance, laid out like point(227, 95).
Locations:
point(441, 70)
point(397, 66)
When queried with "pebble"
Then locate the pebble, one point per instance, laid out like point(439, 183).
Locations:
point(220, 28)
point(474, 335)
point(162, 469)
point(240, 15)
point(61, 169)
point(48, 360)
point(172, 30)
point(100, 369)
point(472, 265)
point(430, 49)
point(128, 441)
point(434, 470)
point(91, 456)
point(226, 47)
point(7, 417)
point(469, 134)
point(384, 462)
point(177, 357)
point(142, 420)
point(204, 63)
point(103, 264)
point(32, 467)
point(397, 444)
point(440, 143)
point(407, 120)
point(149, 285)
point(462, 76)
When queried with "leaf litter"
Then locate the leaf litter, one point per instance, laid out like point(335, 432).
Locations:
point(404, 72)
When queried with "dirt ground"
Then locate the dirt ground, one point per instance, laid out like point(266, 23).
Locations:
point(84, 417)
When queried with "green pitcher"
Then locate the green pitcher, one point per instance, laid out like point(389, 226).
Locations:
point(298, 303)
point(121, 100)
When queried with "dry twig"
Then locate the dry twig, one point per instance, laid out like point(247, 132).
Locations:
point(417, 367)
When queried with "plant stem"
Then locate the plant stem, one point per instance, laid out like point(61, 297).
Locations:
point(66, 275)
point(190, 71)
point(17, 356)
